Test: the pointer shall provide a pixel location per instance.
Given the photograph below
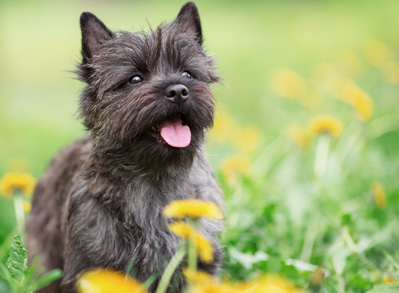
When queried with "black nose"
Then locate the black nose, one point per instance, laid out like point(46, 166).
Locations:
point(177, 93)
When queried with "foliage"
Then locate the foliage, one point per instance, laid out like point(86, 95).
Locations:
point(16, 277)
point(16, 262)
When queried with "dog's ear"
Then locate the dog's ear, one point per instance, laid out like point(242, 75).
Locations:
point(94, 33)
point(189, 21)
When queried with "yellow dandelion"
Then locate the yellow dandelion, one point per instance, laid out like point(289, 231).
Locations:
point(233, 167)
point(27, 206)
point(224, 128)
point(18, 165)
point(203, 246)
point(333, 83)
point(298, 135)
point(389, 280)
point(269, 283)
point(247, 139)
point(107, 281)
point(181, 229)
point(312, 100)
point(379, 195)
point(17, 182)
point(350, 63)
point(326, 124)
point(350, 93)
point(322, 70)
point(212, 287)
point(198, 276)
point(342, 87)
point(378, 53)
point(287, 83)
point(390, 69)
point(193, 208)
point(363, 105)
point(201, 282)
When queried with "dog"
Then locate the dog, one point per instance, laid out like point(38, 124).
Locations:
point(147, 106)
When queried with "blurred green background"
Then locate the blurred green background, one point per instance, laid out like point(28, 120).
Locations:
point(40, 43)
point(282, 63)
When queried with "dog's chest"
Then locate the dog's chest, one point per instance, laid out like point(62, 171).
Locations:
point(152, 243)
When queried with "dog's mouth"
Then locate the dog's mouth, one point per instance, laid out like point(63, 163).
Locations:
point(173, 131)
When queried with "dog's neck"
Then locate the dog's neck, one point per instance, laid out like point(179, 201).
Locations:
point(118, 166)
point(131, 195)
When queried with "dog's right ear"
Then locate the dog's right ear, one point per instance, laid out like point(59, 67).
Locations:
point(189, 21)
point(94, 33)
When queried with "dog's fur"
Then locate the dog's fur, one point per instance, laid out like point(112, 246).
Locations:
point(100, 202)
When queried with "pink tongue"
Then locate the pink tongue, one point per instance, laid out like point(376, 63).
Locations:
point(175, 133)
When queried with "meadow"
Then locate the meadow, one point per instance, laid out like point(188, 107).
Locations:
point(306, 138)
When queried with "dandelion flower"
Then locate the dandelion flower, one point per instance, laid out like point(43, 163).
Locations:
point(107, 281)
point(17, 165)
point(298, 134)
point(21, 182)
point(193, 208)
point(389, 280)
point(350, 93)
point(27, 206)
point(247, 139)
point(181, 229)
point(198, 276)
point(203, 246)
point(363, 105)
point(379, 194)
point(287, 83)
point(201, 282)
point(350, 63)
point(378, 53)
point(391, 72)
point(233, 167)
point(268, 283)
point(326, 124)
point(224, 128)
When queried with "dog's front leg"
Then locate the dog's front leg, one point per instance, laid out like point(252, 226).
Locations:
point(80, 226)
point(76, 262)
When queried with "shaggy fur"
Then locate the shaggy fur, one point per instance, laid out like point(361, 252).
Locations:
point(100, 202)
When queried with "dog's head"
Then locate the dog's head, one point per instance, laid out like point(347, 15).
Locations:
point(147, 98)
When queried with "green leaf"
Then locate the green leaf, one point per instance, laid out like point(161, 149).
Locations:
point(4, 273)
point(150, 280)
point(4, 287)
point(131, 272)
point(16, 262)
point(47, 279)
point(386, 288)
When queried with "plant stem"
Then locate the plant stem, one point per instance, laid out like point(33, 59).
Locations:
point(348, 240)
point(19, 214)
point(170, 269)
point(192, 253)
point(321, 160)
point(308, 242)
point(192, 248)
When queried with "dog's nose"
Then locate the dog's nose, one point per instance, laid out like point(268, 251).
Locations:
point(177, 93)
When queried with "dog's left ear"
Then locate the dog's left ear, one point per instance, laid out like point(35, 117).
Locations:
point(94, 33)
point(189, 21)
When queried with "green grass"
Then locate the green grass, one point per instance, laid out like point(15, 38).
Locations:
point(281, 217)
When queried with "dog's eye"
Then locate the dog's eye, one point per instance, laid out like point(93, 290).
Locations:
point(136, 79)
point(186, 74)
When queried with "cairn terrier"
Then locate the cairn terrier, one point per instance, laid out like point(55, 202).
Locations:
point(147, 105)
